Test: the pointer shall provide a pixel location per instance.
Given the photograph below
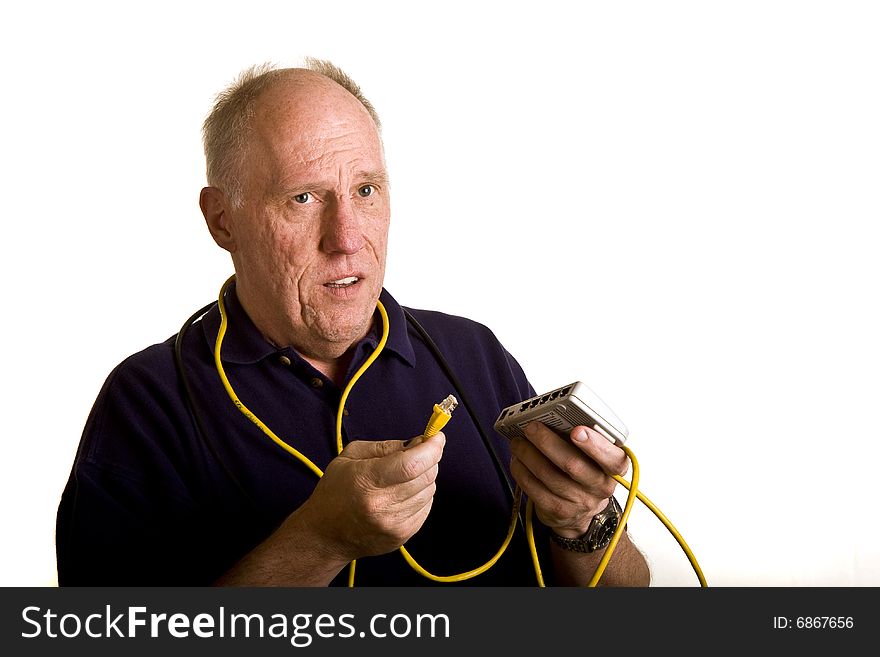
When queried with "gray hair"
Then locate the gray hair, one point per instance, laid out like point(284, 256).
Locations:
point(227, 126)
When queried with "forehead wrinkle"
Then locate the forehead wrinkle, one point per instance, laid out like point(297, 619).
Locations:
point(327, 170)
point(310, 147)
point(305, 129)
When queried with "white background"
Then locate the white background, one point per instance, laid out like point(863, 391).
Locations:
point(673, 202)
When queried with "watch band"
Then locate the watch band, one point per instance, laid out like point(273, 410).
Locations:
point(598, 534)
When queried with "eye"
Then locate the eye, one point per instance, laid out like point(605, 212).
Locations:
point(305, 197)
point(366, 190)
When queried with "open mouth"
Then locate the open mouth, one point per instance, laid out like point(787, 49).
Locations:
point(348, 281)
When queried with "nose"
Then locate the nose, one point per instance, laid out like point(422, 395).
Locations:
point(342, 228)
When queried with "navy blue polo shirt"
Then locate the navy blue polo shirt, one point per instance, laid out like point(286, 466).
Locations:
point(151, 501)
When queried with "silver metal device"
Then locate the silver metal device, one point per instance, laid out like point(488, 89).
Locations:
point(562, 410)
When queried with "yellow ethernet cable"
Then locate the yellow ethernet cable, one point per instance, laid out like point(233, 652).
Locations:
point(440, 416)
point(221, 333)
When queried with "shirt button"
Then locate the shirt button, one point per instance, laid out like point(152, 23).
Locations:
point(284, 360)
point(317, 383)
point(345, 412)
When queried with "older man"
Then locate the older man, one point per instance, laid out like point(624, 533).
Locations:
point(230, 473)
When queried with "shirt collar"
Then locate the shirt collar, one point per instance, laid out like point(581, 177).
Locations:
point(243, 343)
point(398, 335)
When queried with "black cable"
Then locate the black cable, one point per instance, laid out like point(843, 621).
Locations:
point(444, 365)
point(193, 411)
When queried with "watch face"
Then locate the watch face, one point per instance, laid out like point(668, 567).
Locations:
point(605, 532)
point(598, 534)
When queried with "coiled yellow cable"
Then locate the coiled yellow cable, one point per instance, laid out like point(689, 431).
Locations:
point(438, 420)
point(672, 530)
point(615, 538)
point(634, 493)
point(221, 333)
point(435, 424)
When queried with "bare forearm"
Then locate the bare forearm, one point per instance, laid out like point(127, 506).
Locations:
point(293, 555)
point(627, 566)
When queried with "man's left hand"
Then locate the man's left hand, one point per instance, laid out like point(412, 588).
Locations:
point(566, 480)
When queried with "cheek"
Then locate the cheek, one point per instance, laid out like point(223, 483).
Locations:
point(278, 243)
point(380, 242)
point(377, 224)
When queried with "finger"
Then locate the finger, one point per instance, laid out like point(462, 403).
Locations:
point(405, 518)
point(407, 465)
point(606, 454)
point(568, 455)
point(370, 449)
point(526, 479)
point(418, 501)
point(564, 469)
point(367, 449)
point(552, 510)
point(409, 490)
point(418, 440)
point(419, 516)
point(555, 480)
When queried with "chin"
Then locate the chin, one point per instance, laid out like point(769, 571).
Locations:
point(345, 326)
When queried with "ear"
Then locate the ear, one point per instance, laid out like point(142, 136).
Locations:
point(217, 213)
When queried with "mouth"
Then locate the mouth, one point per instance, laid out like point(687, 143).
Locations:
point(343, 283)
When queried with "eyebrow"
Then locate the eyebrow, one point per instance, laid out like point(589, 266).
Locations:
point(380, 177)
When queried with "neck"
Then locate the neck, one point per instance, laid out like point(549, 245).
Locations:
point(334, 369)
point(332, 359)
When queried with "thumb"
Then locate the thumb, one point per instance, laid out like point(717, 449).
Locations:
point(602, 450)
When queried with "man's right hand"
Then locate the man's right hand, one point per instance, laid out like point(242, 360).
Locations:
point(374, 496)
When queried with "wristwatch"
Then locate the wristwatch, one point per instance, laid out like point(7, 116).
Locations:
point(598, 534)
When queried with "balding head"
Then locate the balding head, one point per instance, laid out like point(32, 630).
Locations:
point(298, 195)
point(228, 127)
